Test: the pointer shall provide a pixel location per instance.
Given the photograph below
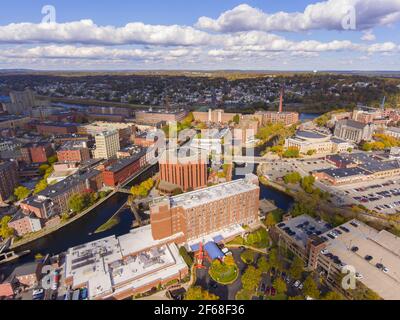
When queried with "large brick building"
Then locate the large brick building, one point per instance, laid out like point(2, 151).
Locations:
point(186, 170)
point(73, 151)
point(36, 152)
point(122, 169)
point(214, 116)
point(286, 118)
point(205, 211)
point(8, 179)
point(154, 117)
point(54, 199)
point(56, 128)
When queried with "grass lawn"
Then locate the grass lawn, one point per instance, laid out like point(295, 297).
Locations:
point(108, 225)
point(223, 273)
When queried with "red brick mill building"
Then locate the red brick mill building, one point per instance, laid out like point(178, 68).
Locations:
point(121, 170)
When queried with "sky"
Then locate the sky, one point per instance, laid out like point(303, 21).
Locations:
point(200, 35)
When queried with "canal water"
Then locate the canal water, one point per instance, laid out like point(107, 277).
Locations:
point(83, 229)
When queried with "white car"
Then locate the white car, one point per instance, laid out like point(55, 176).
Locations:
point(297, 284)
point(385, 270)
point(359, 275)
point(324, 252)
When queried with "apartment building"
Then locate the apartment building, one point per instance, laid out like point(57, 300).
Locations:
point(73, 151)
point(8, 179)
point(199, 213)
point(24, 224)
point(186, 170)
point(107, 145)
point(54, 199)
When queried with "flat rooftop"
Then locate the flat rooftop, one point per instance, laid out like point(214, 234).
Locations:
point(123, 163)
point(301, 228)
point(73, 145)
point(383, 246)
point(112, 265)
point(215, 193)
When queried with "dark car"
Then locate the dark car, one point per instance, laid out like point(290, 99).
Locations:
point(368, 257)
point(273, 292)
point(84, 294)
point(354, 249)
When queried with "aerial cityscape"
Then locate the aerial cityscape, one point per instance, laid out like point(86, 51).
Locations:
point(225, 152)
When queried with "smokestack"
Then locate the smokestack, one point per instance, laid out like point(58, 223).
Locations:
point(281, 101)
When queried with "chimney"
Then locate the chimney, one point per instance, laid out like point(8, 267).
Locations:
point(281, 101)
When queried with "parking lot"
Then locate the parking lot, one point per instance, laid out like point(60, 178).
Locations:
point(382, 196)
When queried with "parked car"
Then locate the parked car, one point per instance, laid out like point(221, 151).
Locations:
point(297, 284)
point(38, 294)
point(84, 294)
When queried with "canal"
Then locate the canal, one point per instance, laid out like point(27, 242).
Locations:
point(83, 229)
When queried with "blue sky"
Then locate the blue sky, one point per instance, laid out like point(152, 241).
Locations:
point(207, 34)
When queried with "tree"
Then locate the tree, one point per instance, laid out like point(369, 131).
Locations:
point(52, 159)
point(77, 202)
point(296, 268)
point(43, 168)
point(332, 295)
point(247, 256)
point(280, 286)
point(291, 152)
point(263, 264)
point(275, 260)
point(198, 293)
point(236, 119)
point(5, 230)
point(251, 278)
point(273, 218)
point(293, 178)
point(310, 288)
point(21, 192)
point(40, 186)
point(311, 152)
point(307, 184)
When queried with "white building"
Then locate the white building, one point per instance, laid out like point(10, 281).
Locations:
point(107, 145)
point(307, 141)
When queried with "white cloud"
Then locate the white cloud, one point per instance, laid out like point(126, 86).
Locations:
point(368, 35)
point(327, 15)
point(87, 32)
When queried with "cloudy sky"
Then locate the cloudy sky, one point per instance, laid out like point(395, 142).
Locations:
point(206, 34)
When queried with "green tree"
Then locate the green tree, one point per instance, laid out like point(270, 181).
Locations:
point(248, 256)
point(310, 288)
point(43, 168)
point(332, 295)
point(77, 202)
point(293, 178)
point(197, 293)
point(280, 286)
point(307, 184)
point(236, 119)
point(40, 186)
point(21, 192)
point(273, 218)
point(296, 268)
point(292, 152)
point(251, 278)
point(53, 159)
point(263, 264)
point(5, 230)
point(275, 260)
